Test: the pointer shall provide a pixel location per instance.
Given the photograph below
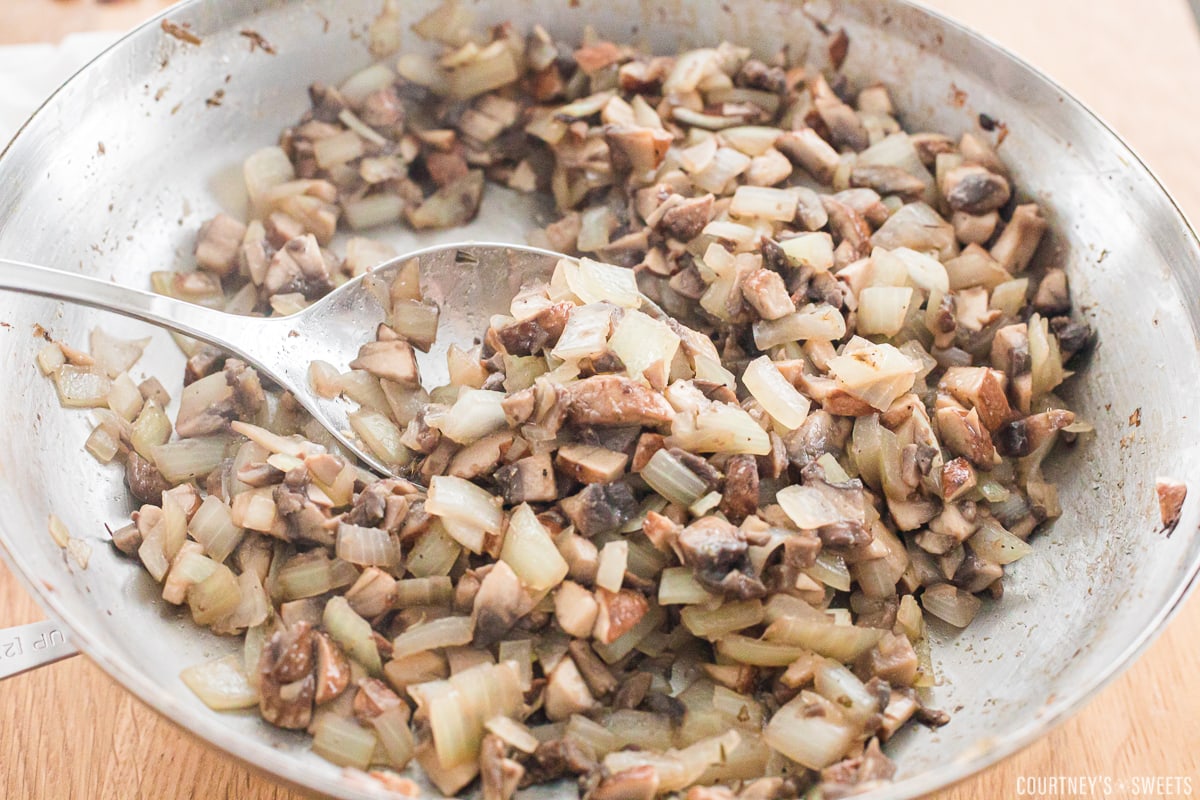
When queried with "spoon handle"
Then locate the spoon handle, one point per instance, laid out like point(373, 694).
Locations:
point(208, 325)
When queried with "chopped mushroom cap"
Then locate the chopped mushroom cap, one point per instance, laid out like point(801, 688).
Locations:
point(1171, 494)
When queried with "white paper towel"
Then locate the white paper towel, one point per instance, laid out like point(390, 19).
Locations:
point(29, 73)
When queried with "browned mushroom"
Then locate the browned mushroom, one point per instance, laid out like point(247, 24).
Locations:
point(685, 220)
point(499, 776)
point(333, 669)
point(981, 388)
point(1171, 494)
point(958, 478)
point(635, 783)
point(595, 672)
point(287, 685)
point(717, 551)
point(534, 334)
point(618, 612)
point(739, 498)
point(499, 603)
point(964, 434)
point(615, 400)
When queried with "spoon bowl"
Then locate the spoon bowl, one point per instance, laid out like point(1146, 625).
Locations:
point(468, 282)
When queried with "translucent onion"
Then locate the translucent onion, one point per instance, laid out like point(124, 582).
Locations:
point(882, 310)
point(475, 414)
point(777, 205)
point(844, 643)
point(667, 475)
point(434, 553)
point(614, 652)
point(876, 374)
point(215, 597)
point(586, 332)
point(993, 543)
point(950, 604)
point(831, 570)
point(593, 282)
point(353, 633)
point(641, 341)
point(189, 458)
point(82, 387)
point(380, 435)
point(757, 652)
point(813, 250)
point(531, 553)
point(436, 590)
point(343, 741)
point(717, 622)
point(438, 633)
point(264, 170)
point(367, 547)
point(1009, 296)
point(821, 321)
point(395, 736)
point(459, 499)
point(720, 428)
point(221, 684)
point(212, 526)
point(839, 685)
point(779, 398)
point(813, 740)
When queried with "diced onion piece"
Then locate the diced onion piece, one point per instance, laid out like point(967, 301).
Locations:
point(353, 633)
point(395, 736)
point(336, 150)
point(324, 379)
point(363, 83)
point(882, 310)
point(306, 575)
point(753, 140)
point(212, 526)
point(821, 321)
point(1044, 357)
point(475, 414)
point(459, 499)
point(877, 374)
point(831, 570)
point(494, 67)
point(382, 208)
point(124, 398)
point(814, 740)
point(58, 531)
point(435, 553)
point(272, 442)
point(82, 387)
point(641, 341)
point(678, 586)
point(951, 604)
point(725, 619)
point(614, 652)
point(221, 684)
point(343, 741)
point(777, 205)
point(585, 333)
point(813, 250)
point(779, 398)
point(837, 684)
point(924, 272)
point(50, 358)
point(610, 570)
point(438, 633)
point(726, 164)
point(530, 551)
point(513, 733)
point(844, 643)
point(380, 435)
point(667, 475)
point(215, 597)
point(594, 282)
point(710, 369)
point(720, 428)
point(756, 652)
point(151, 428)
point(1009, 296)
point(264, 170)
point(435, 590)
point(993, 543)
point(254, 510)
point(189, 458)
point(367, 547)
point(705, 504)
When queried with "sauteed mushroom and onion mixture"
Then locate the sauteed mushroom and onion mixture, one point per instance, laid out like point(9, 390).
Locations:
point(689, 504)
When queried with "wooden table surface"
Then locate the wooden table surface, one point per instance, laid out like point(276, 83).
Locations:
point(68, 731)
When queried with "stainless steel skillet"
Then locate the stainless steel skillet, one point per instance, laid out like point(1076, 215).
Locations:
point(1102, 581)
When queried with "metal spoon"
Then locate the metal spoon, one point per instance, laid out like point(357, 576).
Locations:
point(468, 282)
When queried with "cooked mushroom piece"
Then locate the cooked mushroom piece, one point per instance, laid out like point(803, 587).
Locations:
point(287, 685)
point(767, 294)
point(332, 671)
point(1171, 494)
point(218, 244)
point(391, 360)
point(887, 180)
point(575, 609)
point(532, 335)
point(614, 400)
point(1020, 238)
point(499, 603)
point(589, 464)
point(685, 220)
point(1023, 436)
point(618, 612)
point(805, 148)
point(717, 551)
point(600, 507)
point(566, 692)
point(973, 189)
point(527, 480)
point(1053, 297)
point(964, 434)
point(499, 776)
